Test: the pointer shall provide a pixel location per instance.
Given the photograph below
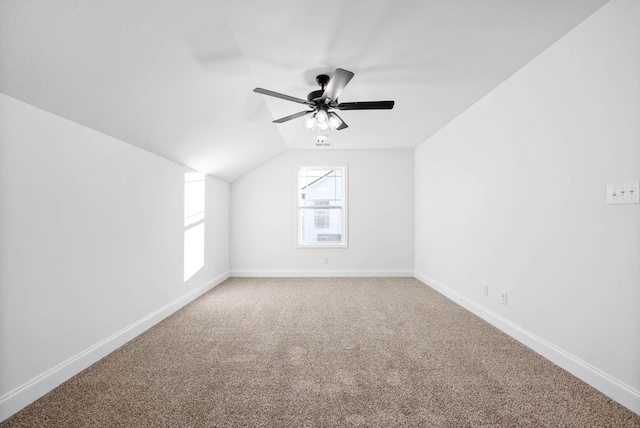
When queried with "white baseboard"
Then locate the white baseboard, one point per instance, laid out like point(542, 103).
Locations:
point(246, 273)
point(611, 387)
point(26, 394)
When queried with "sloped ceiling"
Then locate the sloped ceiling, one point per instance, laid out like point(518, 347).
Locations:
point(176, 77)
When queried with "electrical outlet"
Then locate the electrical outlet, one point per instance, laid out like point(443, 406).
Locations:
point(503, 297)
point(485, 289)
point(326, 260)
point(623, 193)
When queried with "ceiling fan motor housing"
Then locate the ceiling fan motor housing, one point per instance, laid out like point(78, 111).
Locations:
point(322, 80)
point(315, 94)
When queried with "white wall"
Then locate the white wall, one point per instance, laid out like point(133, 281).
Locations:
point(380, 210)
point(91, 247)
point(513, 193)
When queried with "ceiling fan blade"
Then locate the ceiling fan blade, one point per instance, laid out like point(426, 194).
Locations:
point(343, 124)
point(337, 83)
point(366, 105)
point(293, 116)
point(282, 96)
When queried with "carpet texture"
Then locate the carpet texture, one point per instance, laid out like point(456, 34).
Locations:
point(311, 352)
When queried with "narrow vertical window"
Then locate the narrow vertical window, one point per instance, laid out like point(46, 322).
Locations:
point(193, 224)
point(322, 207)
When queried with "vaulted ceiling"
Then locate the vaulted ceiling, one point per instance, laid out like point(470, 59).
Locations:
point(176, 77)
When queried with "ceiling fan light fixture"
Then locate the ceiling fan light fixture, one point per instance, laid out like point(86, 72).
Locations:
point(324, 126)
point(310, 122)
point(321, 116)
point(334, 121)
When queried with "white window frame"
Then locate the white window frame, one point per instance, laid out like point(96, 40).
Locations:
point(344, 243)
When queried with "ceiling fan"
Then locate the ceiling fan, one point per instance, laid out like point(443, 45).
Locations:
point(322, 101)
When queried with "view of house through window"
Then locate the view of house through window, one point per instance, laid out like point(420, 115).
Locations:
point(193, 224)
point(322, 213)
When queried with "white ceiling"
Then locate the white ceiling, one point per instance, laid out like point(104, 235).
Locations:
point(176, 77)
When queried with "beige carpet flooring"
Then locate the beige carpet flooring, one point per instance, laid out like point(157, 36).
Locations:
point(332, 352)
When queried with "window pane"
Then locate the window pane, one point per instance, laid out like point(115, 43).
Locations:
point(193, 213)
point(196, 197)
point(325, 186)
point(193, 198)
point(320, 225)
point(193, 250)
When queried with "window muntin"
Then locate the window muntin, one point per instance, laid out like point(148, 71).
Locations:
point(322, 209)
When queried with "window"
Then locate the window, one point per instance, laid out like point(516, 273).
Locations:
point(193, 224)
point(322, 207)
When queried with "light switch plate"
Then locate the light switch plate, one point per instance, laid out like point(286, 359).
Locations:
point(623, 193)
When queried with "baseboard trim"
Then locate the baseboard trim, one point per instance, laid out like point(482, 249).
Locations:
point(246, 273)
point(611, 387)
point(29, 392)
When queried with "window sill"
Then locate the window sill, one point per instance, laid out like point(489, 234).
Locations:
point(324, 246)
